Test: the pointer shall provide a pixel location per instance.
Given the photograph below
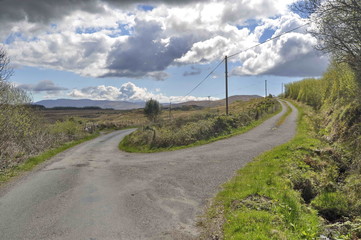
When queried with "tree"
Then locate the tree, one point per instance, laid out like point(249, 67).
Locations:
point(337, 27)
point(152, 109)
point(9, 94)
point(5, 70)
point(17, 122)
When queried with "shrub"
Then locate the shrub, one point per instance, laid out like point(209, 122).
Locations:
point(188, 130)
point(66, 130)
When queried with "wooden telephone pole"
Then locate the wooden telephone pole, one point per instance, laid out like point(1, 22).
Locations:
point(265, 88)
point(226, 75)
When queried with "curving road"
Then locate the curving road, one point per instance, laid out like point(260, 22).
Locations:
point(94, 192)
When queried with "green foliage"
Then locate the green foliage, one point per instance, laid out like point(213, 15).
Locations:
point(152, 109)
point(284, 116)
point(336, 26)
point(307, 91)
point(67, 130)
point(337, 96)
point(331, 205)
point(330, 176)
point(30, 163)
point(261, 202)
point(23, 133)
point(189, 130)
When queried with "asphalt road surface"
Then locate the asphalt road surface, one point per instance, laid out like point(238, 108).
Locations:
point(94, 191)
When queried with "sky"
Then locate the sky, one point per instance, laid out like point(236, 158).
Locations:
point(136, 50)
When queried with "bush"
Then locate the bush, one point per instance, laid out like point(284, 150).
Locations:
point(68, 130)
point(24, 134)
point(188, 130)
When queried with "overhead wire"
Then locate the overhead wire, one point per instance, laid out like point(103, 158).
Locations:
point(204, 79)
point(270, 39)
point(234, 54)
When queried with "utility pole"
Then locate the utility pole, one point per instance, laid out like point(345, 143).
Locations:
point(226, 75)
point(170, 109)
point(209, 101)
point(282, 90)
point(265, 88)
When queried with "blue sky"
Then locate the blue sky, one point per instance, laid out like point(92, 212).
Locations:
point(136, 50)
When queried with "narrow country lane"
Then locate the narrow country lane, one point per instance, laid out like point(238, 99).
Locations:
point(96, 192)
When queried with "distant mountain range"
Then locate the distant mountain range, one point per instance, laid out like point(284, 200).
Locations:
point(80, 103)
point(217, 103)
point(124, 105)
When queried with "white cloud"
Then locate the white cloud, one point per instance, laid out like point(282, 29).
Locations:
point(128, 92)
point(292, 54)
point(112, 39)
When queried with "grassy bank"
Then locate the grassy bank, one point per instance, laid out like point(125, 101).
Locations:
point(32, 162)
point(284, 116)
point(261, 202)
point(334, 186)
point(200, 129)
point(300, 190)
point(234, 132)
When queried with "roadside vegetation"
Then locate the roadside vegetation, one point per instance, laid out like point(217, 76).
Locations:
point(25, 137)
point(199, 128)
point(261, 202)
point(337, 123)
point(309, 187)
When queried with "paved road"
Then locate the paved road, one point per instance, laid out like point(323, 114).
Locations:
point(94, 191)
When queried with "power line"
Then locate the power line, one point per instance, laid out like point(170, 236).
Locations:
point(232, 55)
point(204, 79)
point(270, 39)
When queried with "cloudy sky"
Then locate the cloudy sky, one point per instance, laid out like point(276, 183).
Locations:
point(136, 50)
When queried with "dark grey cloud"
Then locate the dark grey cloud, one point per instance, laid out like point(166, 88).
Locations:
point(144, 52)
point(294, 56)
point(309, 65)
point(45, 11)
point(42, 86)
point(194, 71)
point(299, 63)
point(152, 2)
point(160, 76)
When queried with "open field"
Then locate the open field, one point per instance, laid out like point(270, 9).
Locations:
point(108, 117)
point(128, 118)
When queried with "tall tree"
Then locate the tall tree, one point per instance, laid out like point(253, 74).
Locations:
point(152, 110)
point(337, 27)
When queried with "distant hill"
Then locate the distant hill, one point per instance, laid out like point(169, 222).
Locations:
point(217, 103)
point(80, 103)
point(124, 105)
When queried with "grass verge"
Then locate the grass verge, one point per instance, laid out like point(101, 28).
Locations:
point(146, 149)
point(8, 174)
point(284, 116)
point(260, 201)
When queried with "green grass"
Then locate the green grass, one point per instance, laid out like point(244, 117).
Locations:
point(260, 202)
point(29, 164)
point(146, 149)
point(284, 116)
